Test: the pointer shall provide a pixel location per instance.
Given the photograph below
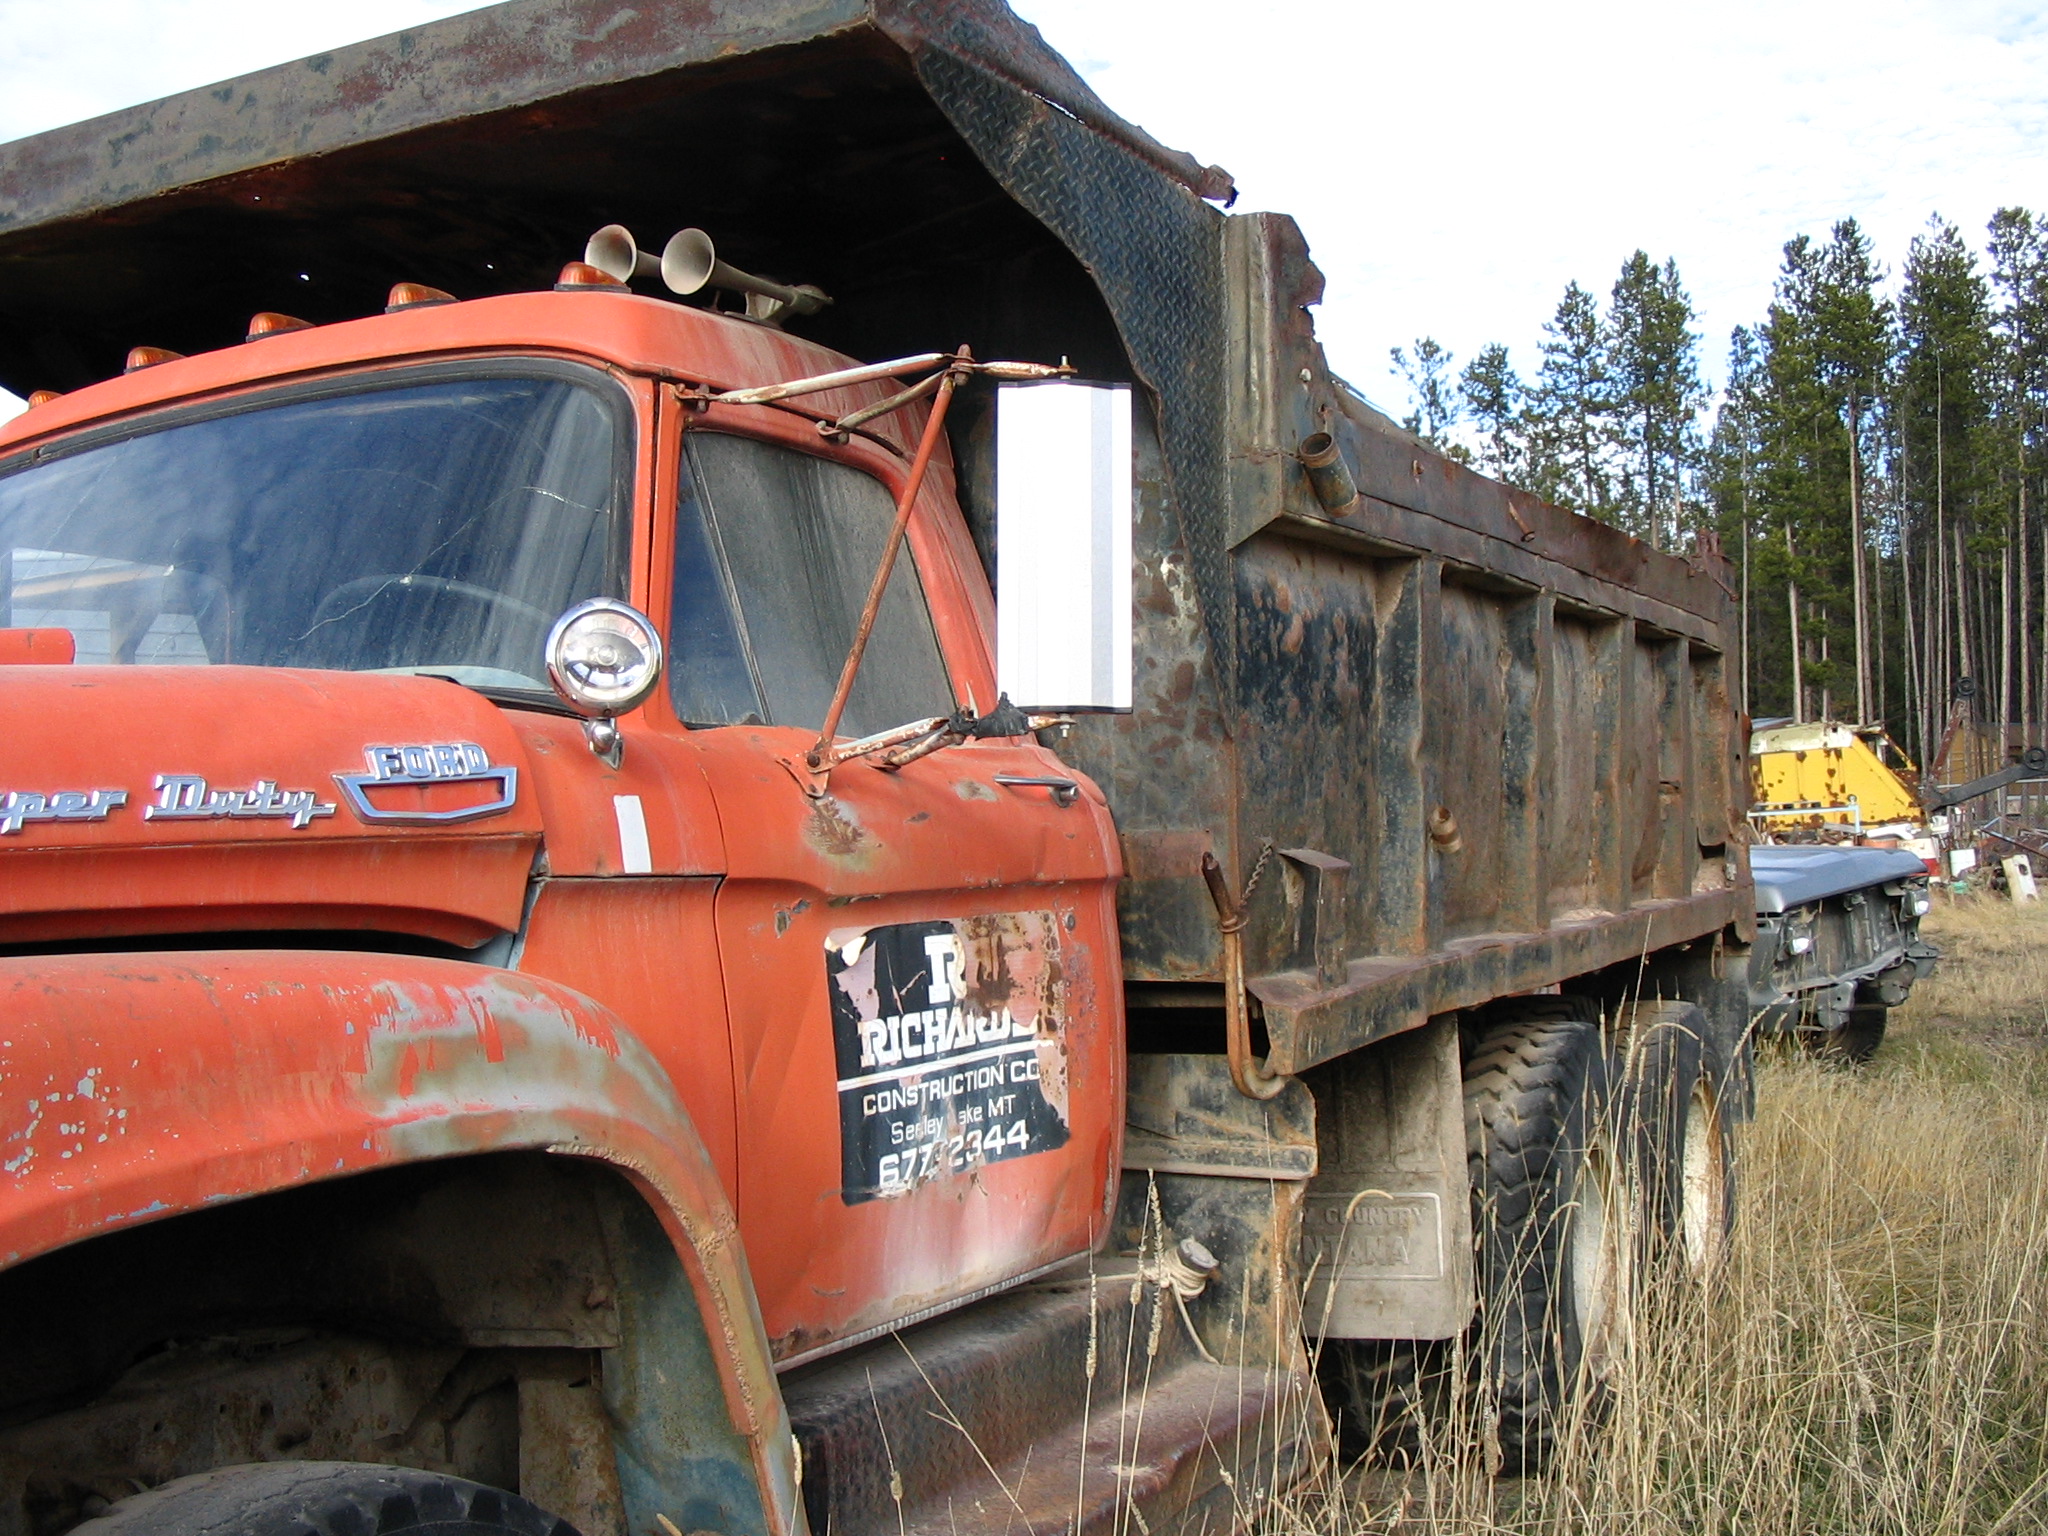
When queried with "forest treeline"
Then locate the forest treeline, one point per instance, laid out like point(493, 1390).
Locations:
point(1873, 461)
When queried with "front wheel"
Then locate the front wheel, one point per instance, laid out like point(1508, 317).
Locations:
point(324, 1498)
point(1856, 1039)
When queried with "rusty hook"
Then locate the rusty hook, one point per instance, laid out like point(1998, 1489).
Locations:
point(1246, 1071)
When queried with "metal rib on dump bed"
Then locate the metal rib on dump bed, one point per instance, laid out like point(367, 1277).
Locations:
point(1501, 732)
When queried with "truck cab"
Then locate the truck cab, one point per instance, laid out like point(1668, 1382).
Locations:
point(310, 582)
point(412, 500)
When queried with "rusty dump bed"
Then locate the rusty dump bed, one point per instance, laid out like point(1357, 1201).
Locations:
point(1496, 737)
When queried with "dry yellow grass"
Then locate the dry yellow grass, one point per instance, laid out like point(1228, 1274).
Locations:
point(1874, 1355)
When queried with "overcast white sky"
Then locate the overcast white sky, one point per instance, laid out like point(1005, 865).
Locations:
point(1453, 164)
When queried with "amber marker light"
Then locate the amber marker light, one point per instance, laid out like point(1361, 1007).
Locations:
point(582, 277)
point(414, 296)
point(270, 323)
point(149, 357)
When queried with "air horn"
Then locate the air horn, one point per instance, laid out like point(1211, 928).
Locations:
point(689, 264)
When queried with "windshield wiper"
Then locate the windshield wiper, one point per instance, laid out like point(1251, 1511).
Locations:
point(538, 699)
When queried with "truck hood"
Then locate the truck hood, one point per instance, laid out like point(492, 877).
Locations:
point(165, 800)
point(1792, 874)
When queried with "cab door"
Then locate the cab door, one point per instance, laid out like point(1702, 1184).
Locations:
point(921, 965)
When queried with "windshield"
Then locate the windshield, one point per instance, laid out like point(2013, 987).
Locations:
point(427, 526)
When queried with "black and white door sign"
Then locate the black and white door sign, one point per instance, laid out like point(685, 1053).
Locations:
point(951, 1044)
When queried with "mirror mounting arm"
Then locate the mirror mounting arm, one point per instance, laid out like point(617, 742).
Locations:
point(819, 758)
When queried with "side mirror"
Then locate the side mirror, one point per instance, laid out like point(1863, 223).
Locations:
point(1063, 545)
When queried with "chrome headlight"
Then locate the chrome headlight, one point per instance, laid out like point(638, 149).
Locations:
point(604, 657)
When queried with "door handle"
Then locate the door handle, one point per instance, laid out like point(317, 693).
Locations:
point(1064, 791)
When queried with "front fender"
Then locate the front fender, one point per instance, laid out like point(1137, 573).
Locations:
point(134, 1087)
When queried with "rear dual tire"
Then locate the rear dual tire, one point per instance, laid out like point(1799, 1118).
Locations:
point(1676, 1113)
point(1552, 1257)
point(1586, 1171)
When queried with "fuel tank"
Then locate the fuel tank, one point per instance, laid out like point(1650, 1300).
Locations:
point(145, 801)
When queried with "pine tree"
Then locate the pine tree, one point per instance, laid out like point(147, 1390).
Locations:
point(1431, 387)
point(1494, 397)
point(2018, 251)
point(1732, 459)
point(1653, 356)
point(1854, 336)
point(1798, 438)
point(1571, 410)
point(1943, 415)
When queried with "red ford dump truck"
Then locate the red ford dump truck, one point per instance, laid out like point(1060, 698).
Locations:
point(946, 890)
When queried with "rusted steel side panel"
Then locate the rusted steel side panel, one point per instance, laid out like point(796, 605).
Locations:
point(1526, 634)
point(1578, 797)
point(1676, 853)
point(1474, 872)
point(1312, 646)
point(1385, 995)
point(1485, 705)
point(1169, 762)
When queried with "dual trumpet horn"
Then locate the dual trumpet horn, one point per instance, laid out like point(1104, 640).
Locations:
point(689, 264)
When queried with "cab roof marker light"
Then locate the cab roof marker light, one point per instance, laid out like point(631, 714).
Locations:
point(44, 397)
point(271, 323)
point(582, 277)
point(415, 296)
point(148, 357)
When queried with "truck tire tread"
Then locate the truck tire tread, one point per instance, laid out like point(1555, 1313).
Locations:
point(323, 1498)
point(1536, 1080)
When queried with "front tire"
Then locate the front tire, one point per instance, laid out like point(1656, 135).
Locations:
point(1857, 1038)
point(324, 1498)
point(1552, 1265)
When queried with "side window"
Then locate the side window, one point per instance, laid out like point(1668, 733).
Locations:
point(710, 680)
point(800, 538)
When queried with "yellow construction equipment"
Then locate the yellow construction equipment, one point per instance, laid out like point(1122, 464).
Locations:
point(1822, 772)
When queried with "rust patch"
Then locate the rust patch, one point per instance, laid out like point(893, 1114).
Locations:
point(833, 832)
